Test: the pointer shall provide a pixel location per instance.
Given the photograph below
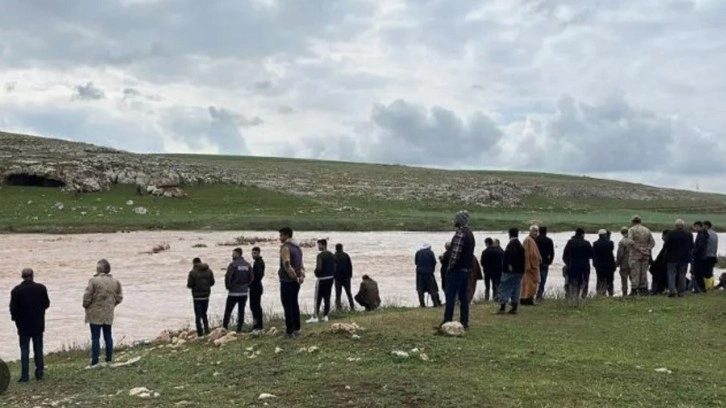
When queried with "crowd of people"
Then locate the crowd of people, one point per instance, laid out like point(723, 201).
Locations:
point(515, 275)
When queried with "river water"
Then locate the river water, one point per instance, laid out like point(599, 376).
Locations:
point(155, 293)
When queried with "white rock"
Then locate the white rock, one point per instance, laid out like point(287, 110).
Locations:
point(265, 396)
point(454, 329)
point(135, 392)
point(141, 210)
point(400, 354)
point(59, 206)
point(663, 370)
point(130, 203)
point(278, 350)
point(126, 363)
point(313, 349)
point(355, 337)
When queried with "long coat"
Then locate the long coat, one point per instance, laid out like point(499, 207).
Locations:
point(28, 302)
point(476, 275)
point(533, 260)
point(102, 296)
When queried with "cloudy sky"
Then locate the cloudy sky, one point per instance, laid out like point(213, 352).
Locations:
point(628, 89)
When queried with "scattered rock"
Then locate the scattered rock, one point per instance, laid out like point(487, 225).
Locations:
point(454, 329)
point(663, 370)
point(164, 337)
point(266, 396)
point(130, 203)
point(278, 350)
point(400, 354)
point(126, 363)
point(217, 333)
point(228, 338)
point(58, 206)
point(348, 328)
point(355, 337)
point(424, 357)
point(143, 392)
point(313, 349)
point(353, 359)
point(141, 210)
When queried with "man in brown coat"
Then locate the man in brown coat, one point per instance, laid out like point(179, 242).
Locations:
point(102, 296)
point(368, 295)
point(530, 282)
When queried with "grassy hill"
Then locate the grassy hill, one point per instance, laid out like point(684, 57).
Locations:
point(646, 352)
point(264, 193)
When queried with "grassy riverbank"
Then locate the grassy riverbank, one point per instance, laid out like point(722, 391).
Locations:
point(606, 353)
point(229, 207)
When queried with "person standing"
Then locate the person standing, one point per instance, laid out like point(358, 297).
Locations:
point(699, 269)
point(460, 269)
point(256, 289)
point(604, 263)
point(368, 295)
point(530, 281)
point(28, 303)
point(640, 254)
point(514, 265)
point(343, 277)
point(444, 260)
point(547, 251)
point(200, 281)
point(425, 262)
point(492, 262)
point(678, 247)
point(325, 274)
point(711, 250)
point(623, 260)
point(237, 280)
point(576, 256)
point(291, 275)
point(100, 299)
point(659, 269)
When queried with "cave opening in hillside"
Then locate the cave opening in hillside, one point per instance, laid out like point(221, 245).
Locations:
point(32, 180)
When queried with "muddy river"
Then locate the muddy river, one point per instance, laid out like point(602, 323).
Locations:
point(155, 293)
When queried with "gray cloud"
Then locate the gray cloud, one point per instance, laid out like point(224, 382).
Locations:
point(10, 86)
point(241, 120)
point(88, 92)
point(285, 109)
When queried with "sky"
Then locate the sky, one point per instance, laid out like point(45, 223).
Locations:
point(622, 89)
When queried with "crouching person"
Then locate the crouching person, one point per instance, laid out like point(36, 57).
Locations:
point(102, 296)
point(368, 295)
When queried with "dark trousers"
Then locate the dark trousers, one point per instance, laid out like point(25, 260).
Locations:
point(457, 283)
point(200, 316)
point(698, 273)
point(544, 271)
point(96, 330)
point(25, 356)
point(289, 292)
point(256, 307)
point(677, 278)
point(241, 303)
point(605, 283)
point(491, 282)
point(323, 291)
point(364, 302)
point(341, 284)
point(585, 285)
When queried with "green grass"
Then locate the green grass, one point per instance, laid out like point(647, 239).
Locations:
point(602, 354)
point(230, 207)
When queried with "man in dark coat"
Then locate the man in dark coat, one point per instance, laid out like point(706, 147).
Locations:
point(200, 281)
point(492, 262)
point(547, 252)
point(256, 288)
point(511, 283)
point(659, 269)
point(576, 256)
point(368, 295)
point(444, 259)
point(237, 280)
point(604, 263)
point(343, 276)
point(678, 246)
point(28, 303)
point(425, 261)
point(699, 269)
point(459, 277)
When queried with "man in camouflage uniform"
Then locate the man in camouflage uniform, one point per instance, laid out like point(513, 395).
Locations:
point(639, 256)
point(623, 259)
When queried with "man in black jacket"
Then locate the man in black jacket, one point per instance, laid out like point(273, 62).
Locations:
point(576, 257)
point(237, 280)
point(459, 271)
point(547, 252)
point(28, 303)
point(444, 260)
point(678, 248)
point(700, 263)
point(200, 281)
point(425, 261)
point(325, 274)
point(492, 262)
point(511, 284)
point(258, 272)
point(343, 277)
point(604, 263)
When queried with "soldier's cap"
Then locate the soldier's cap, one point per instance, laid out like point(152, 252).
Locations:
point(624, 230)
point(602, 232)
point(636, 218)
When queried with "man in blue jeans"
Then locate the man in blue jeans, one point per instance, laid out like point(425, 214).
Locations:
point(460, 264)
point(511, 284)
point(28, 303)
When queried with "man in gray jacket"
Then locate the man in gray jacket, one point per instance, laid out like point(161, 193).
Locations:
point(237, 280)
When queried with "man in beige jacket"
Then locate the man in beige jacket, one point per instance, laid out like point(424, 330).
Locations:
point(102, 296)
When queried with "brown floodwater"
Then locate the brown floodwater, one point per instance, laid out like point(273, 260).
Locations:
point(155, 293)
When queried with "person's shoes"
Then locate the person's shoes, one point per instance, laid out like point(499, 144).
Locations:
point(23, 380)
point(514, 309)
point(325, 318)
point(313, 320)
point(290, 335)
point(671, 295)
point(39, 376)
point(256, 332)
point(93, 366)
point(296, 334)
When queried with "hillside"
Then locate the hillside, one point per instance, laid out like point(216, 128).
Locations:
point(552, 355)
point(263, 192)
